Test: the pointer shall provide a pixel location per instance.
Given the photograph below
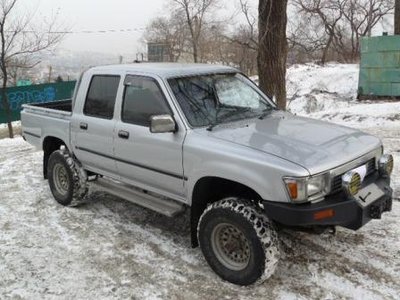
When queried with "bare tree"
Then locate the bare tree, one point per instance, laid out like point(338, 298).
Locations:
point(171, 31)
point(244, 50)
point(196, 13)
point(362, 16)
point(306, 40)
point(397, 17)
point(248, 33)
point(345, 22)
point(18, 67)
point(329, 15)
point(242, 42)
point(272, 54)
point(19, 41)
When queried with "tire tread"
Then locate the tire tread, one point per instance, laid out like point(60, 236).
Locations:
point(263, 227)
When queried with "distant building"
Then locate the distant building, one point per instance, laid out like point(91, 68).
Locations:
point(24, 82)
point(158, 52)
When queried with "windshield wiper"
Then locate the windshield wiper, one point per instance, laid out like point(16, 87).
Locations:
point(217, 108)
point(266, 112)
point(227, 116)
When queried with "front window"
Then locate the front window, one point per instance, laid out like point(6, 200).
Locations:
point(143, 98)
point(220, 98)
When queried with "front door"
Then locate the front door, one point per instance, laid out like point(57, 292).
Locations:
point(152, 161)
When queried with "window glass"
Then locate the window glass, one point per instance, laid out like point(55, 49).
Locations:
point(218, 98)
point(101, 96)
point(143, 98)
point(233, 92)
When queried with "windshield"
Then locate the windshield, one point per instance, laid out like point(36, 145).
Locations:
point(214, 99)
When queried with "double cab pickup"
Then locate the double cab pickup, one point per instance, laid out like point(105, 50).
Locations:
point(205, 139)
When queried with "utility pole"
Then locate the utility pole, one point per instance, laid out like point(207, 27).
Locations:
point(50, 73)
point(397, 17)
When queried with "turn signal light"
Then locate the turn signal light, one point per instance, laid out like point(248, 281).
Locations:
point(324, 214)
point(292, 187)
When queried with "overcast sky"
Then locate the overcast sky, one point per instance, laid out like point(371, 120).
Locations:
point(81, 15)
point(92, 15)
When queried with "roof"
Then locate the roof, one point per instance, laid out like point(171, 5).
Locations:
point(167, 69)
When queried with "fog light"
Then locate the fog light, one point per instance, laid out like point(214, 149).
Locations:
point(385, 165)
point(351, 183)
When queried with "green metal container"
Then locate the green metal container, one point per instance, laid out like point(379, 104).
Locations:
point(39, 93)
point(380, 67)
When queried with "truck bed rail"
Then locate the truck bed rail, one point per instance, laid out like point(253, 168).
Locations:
point(61, 109)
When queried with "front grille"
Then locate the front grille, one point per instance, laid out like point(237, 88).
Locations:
point(337, 180)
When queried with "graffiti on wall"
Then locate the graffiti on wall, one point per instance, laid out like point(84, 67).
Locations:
point(17, 98)
point(40, 93)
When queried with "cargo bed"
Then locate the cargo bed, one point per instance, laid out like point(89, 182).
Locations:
point(46, 119)
point(63, 105)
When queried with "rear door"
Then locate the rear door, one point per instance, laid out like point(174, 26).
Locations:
point(149, 160)
point(93, 124)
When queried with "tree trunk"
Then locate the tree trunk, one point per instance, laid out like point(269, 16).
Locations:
point(273, 49)
point(326, 49)
point(6, 107)
point(397, 17)
point(195, 52)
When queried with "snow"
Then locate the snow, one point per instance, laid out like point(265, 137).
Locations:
point(112, 249)
point(15, 123)
point(330, 93)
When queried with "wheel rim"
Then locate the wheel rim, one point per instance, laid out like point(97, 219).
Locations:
point(230, 246)
point(60, 177)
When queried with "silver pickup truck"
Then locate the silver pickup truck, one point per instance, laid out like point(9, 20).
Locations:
point(204, 137)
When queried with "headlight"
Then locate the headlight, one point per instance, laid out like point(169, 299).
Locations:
point(315, 185)
point(306, 188)
point(385, 165)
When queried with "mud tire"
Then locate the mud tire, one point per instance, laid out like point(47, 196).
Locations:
point(72, 189)
point(262, 240)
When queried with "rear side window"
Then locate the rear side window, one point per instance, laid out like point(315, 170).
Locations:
point(100, 99)
point(143, 98)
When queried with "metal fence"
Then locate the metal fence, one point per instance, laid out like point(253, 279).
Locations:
point(39, 93)
point(380, 67)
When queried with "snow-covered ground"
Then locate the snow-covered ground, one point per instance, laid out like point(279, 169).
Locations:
point(112, 249)
point(330, 93)
point(4, 129)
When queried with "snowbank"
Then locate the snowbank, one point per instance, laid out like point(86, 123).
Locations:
point(330, 93)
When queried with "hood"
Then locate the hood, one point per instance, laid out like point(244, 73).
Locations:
point(315, 145)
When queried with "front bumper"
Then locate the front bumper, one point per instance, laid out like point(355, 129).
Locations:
point(337, 209)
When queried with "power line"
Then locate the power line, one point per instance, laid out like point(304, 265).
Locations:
point(86, 31)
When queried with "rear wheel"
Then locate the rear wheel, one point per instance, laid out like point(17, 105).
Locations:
point(67, 180)
point(239, 243)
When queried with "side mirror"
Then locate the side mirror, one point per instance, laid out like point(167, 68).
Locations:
point(162, 124)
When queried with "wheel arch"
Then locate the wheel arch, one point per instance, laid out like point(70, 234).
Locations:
point(49, 145)
point(210, 189)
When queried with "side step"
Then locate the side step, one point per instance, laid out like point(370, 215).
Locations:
point(161, 205)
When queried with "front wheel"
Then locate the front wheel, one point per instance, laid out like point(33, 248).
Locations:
point(67, 180)
point(239, 243)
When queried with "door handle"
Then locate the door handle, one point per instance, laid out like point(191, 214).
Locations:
point(83, 126)
point(123, 134)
